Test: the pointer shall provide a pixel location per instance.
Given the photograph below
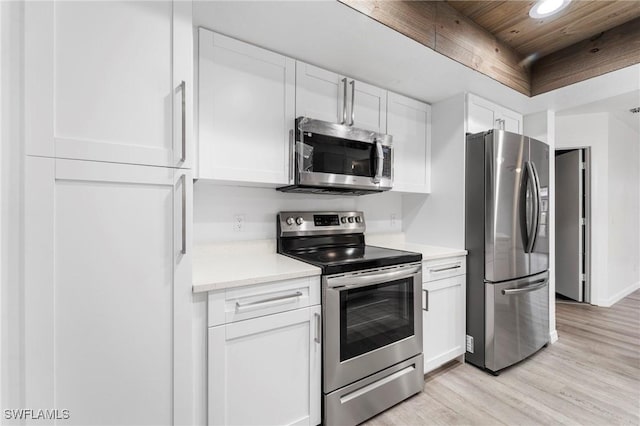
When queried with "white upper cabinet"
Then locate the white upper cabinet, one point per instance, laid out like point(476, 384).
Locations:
point(246, 111)
point(483, 115)
point(109, 81)
point(328, 96)
point(409, 123)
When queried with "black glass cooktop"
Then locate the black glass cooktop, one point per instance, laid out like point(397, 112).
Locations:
point(335, 260)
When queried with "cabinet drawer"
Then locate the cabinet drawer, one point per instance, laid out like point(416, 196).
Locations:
point(241, 303)
point(442, 268)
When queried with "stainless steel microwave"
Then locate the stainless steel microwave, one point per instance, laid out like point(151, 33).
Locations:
point(331, 158)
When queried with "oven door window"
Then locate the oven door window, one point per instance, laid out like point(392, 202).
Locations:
point(375, 316)
point(327, 154)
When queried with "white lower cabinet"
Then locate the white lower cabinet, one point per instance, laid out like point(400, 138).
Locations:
point(443, 311)
point(266, 370)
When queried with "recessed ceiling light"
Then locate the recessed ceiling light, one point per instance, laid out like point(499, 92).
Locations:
point(544, 8)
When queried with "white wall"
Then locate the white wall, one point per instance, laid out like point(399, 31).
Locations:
point(215, 208)
point(438, 219)
point(614, 214)
point(541, 126)
point(624, 210)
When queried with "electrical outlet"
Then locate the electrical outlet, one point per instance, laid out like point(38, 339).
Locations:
point(238, 223)
point(393, 219)
point(469, 344)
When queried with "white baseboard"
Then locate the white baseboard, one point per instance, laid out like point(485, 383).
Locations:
point(619, 295)
point(553, 336)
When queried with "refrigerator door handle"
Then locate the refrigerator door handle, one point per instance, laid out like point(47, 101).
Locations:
point(538, 204)
point(535, 285)
point(533, 229)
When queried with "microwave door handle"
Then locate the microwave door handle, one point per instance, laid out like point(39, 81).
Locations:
point(379, 162)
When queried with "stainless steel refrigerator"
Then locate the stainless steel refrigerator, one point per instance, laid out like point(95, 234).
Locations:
point(506, 233)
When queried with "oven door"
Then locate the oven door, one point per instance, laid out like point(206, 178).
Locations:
point(372, 320)
point(337, 156)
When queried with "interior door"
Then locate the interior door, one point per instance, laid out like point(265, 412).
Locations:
point(504, 237)
point(569, 206)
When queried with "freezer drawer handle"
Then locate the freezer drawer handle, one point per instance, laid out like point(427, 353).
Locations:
point(535, 286)
point(447, 268)
point(240, 306)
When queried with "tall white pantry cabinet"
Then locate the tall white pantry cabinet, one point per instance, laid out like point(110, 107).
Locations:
point(108, 198)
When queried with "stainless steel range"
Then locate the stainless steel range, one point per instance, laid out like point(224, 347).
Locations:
point(371, 305)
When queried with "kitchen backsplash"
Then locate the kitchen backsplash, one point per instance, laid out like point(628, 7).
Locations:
point(231, 213)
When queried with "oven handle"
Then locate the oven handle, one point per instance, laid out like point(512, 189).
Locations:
point(363, 280)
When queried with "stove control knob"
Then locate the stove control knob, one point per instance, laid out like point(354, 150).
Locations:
point(299, 220)
point(350, 219)
point(343, 219)
point(358, 219)
point(289, 221)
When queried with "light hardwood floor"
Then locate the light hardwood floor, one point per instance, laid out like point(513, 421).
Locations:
point(590, 376)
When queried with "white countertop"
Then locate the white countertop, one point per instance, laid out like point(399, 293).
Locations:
point(234, 264)
point(398, 242)
point(225, 265)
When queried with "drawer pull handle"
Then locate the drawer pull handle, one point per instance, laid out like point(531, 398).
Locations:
point(241, 306)
point(446, 268)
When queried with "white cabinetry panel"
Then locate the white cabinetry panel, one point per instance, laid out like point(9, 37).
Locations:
point(266, 371)
point(332, 97)
point(320, 94)
point(368, 106)
point(108, 290)
point(409, 123)
point(444, 322)
point(104, 81)
point(246, 110)
point(443, 315)
point(483, 115)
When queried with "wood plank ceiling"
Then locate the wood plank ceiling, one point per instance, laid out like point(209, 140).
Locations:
point(498, 38)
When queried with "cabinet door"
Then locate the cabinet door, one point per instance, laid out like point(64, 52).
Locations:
point(103, 81)
point(108, 291)
point(367, 106)
point(443, 321)
point(409, 122)
point(320, 94)
point(512, 121)
point(481, 115)
point(266, 371)
point(246, 109)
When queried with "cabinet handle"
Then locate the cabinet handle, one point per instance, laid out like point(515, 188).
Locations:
point(353, 100)
point(317, 318)
point(183, 90)
point(183, 180)
point(344, 101)
point(240, 306)
point(426, 301)
point(446, 268)
point(292, 154)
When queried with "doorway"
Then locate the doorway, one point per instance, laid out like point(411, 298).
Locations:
point(573, 224)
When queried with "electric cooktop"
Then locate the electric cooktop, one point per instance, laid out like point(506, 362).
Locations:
point(334, 241)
